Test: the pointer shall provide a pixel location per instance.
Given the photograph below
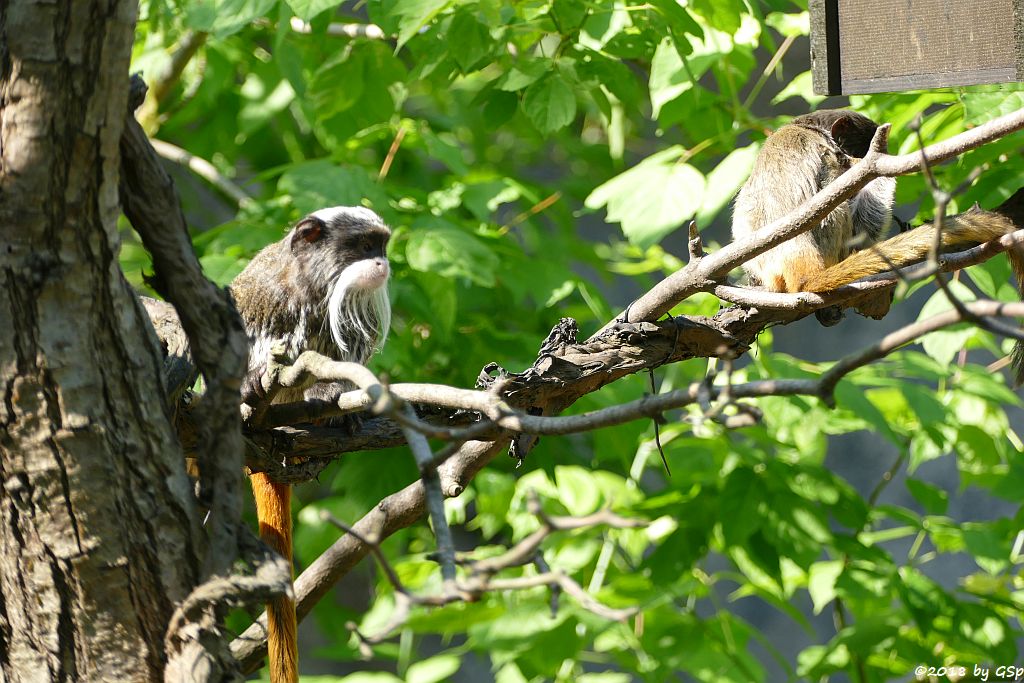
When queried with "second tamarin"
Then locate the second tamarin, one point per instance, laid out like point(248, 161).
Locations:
point(804, 156)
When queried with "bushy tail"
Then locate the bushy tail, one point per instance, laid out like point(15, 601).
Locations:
point(974, 226)
point(273, 509)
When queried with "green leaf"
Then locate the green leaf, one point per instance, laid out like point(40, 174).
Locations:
point(499, 107)
point(738, 505)
point(813, 662)
point(883, 535)
point(261, 106)
point(442, 302)
point(135, 262)
point(222, 268)
point(316, 184)
point(926, 406)
point(923, 597)
point(473, 41)
point(436, 246)
point(225, 17)
point(445, 148)
point(523, 73)
point(483, 199)
point(986, 629)
point(852, 398)
point(433, 670)
point(670, 77)
point(338, 84)
point(759, 562)
point(568, 15)
point(797, 24)
point(679, 21)
point(943, 345)
point(933, 499)
point(522, 621)
point(723, 15)
point(984, 106)
point(600, 27)
point(307, 9)
point(606, 677)
point(800, 86)
point(725, 181)
point(510, 673)
point(414, 15)
point(494, 491)
point(455, 618)
point(361, 677)
point(989, 545)
point(994, 279)
point(550, 104)
point(653, 198)
point(577, 490)
point(821, 583)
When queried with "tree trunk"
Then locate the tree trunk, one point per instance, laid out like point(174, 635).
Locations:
point(99, 536)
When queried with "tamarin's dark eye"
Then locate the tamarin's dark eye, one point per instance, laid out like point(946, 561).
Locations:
point(366, 246)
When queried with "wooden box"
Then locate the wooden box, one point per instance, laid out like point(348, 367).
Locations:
point(865, 46)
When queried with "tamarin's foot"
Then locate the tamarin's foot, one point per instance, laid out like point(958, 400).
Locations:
point(829, 316)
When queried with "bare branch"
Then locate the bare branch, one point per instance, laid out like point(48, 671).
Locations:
point(910, 333)
point(202, 168)
point(165, 79)
point(216, 336)
point(876, 163)
point(434, 500)
point(395, 512)
point(695, 245)
point(480, 573)
point(371, 31)
point(187, 642)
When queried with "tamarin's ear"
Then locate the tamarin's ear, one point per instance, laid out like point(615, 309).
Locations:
point(841, 127)
point(853, 134)
point(309, 230)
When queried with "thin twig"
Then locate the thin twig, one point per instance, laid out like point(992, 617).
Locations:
point(339, 30)
point(392, 151)
point(532, 211)
point(202, 168)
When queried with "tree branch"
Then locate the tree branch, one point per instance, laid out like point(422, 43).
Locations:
point(202, 168)
point(692, 278)
point(216, 336)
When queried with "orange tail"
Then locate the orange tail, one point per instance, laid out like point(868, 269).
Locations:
point(273, 509)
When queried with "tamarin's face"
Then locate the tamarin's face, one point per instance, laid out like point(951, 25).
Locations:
point(340, 252)
point(344, 244)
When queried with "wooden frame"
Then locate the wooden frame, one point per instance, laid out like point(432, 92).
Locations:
point(866, 46)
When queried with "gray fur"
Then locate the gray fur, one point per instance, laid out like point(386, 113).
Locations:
point(795, 163)
point(302, 289)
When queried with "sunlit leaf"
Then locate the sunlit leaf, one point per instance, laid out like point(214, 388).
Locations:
point(307, 9)
point(550, 103)
point(414, 15)
point(433, 670)
point(725, 181)
point(437, 248)
point(821, 583)
point(652, 198)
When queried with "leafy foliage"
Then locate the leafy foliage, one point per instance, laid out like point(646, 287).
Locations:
point(494, 137)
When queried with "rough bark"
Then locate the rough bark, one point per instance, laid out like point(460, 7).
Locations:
point(99, 535)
